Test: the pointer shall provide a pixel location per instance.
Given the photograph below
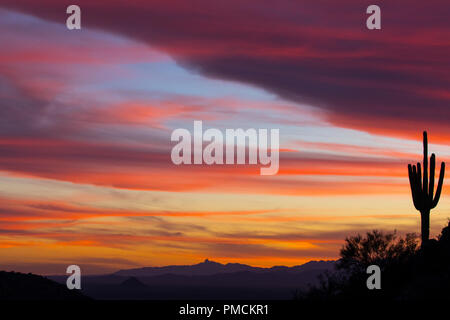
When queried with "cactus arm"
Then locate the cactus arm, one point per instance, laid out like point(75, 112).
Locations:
point(419, 176)
point(439, 187)
point(411, 183)
point(417, 185)
point(414, 175)
point(413, 178)
point(419, 190)
point(432, 171)
point(425, 162)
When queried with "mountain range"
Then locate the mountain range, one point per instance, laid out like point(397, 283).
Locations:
point(205, 280)
point(209, 267)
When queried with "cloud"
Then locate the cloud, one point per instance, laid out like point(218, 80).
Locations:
point(392, 81)
point(246, 251)
point(49, 131)
point(138, 167)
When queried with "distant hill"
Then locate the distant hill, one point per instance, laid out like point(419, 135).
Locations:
point(208, 267)
point(21, 286)
point(132, 283)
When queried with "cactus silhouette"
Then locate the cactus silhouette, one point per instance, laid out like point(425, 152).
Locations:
point(422, 192)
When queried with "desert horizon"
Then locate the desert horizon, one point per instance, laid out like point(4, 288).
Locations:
point(145, 134)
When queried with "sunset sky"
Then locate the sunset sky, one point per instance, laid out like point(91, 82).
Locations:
point(86, 117)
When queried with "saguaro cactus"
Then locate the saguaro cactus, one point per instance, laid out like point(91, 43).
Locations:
point(422, 193)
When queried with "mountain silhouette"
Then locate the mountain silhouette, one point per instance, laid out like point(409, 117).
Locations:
point(209, 267)
point(133, 283)
point(205, 280)
point(206, 267)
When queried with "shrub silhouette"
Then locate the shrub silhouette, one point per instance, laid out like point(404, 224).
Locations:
point(422, 193)
point(376, 248)
point(407, 272)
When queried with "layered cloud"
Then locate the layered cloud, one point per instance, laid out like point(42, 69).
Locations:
point(390, 81)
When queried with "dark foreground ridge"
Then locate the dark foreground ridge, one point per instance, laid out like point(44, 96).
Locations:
point(21, 286)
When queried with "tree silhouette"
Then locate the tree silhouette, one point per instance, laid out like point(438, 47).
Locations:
point(408, 273)
point(377, 248)
point(422, 193)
